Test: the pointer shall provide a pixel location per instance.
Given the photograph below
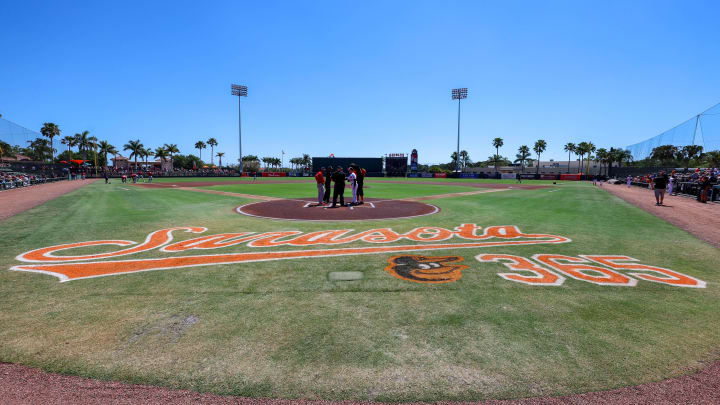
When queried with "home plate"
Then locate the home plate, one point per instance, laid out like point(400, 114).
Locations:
point(345, 275)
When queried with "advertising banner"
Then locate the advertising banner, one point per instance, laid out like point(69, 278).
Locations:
point(441, 175)
point(575, 176)
point(414, 160)
point(274, 174)
point(413, 175)
point(507, 175)
point(426, 175)
point(469, 176)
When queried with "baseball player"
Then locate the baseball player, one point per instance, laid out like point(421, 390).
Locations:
point(352, 179)
point(320, 180)
point(361, 181)
point(328, 179)
point(339, 190)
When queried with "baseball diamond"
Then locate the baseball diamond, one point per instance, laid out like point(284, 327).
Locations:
point(360, 203)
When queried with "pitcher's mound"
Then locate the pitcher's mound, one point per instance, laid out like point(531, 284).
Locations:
point(306, 209)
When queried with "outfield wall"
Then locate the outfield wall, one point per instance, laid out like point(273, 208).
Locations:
point(373, 166)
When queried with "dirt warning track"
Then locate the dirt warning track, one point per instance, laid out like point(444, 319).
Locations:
point(25, 385)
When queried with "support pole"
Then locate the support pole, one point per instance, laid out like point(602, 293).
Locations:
point(457, 156)
point(240, 137)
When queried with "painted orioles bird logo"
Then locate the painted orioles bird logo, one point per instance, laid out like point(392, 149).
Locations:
point(426, 269)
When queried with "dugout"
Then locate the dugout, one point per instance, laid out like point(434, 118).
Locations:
point(373, 166)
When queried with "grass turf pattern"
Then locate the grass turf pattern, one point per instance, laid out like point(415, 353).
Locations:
point(284, 329)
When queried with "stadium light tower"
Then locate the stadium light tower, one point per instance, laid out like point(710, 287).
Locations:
point(240, 91)
point(458, 94)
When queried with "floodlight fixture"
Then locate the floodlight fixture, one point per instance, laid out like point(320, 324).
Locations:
point(240, 91)
point(459, 94)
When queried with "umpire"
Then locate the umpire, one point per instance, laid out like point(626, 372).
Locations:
point(328, 176)
point(339, 179)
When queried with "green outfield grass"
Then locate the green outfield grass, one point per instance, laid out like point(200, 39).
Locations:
point(308, 189)
point(282, 329)
point(369, 180)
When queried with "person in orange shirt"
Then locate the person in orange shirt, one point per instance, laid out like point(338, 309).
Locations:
point(320, 180)
point(361, 181)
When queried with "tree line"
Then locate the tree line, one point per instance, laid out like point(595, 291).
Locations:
point(681, 156)
point(90, 149)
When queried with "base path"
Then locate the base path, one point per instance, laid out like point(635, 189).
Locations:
point(307, 210)
point(25, 385)
point(701, 220)
point(18, 200)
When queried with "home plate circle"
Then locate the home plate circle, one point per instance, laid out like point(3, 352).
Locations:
point(305, 209)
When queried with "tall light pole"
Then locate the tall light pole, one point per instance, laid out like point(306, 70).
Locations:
point(240, 91)
point(458, 94)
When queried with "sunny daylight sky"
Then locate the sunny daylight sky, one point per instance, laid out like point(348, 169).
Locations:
point(360, 78)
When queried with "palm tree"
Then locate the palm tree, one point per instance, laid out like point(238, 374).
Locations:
point(104, 149)
point(590, 149)
point(306, 160)
point(82, 141)
point(40, 148)
point(70, 142)
point(92, 143)
point(146, 152)
point(464, 158)
point(623, 155)
point(570, 148)
point(220, 155)
point(603, 157)
point(162, 154)
point(454, 160)
point(136, 148)
point(539, 148)
point(213, 143)
point(522, 156)
point(497, 143)
point(172, 149)
point(200, 145)
point(581, 149)
point(50, 131)
point(267, 161)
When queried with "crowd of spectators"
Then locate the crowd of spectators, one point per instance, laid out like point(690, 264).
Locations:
point(112, 172)
point(10, 180)
point(701, 183)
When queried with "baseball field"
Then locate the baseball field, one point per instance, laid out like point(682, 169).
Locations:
point(491, 290)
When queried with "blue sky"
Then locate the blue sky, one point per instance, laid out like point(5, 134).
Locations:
point(360, 78)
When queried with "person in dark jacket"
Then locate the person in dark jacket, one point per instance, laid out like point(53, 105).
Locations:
point(328, 180)
point(339, 179)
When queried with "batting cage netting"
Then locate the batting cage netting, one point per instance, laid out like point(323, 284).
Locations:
point(702, 129)
point(14, 134)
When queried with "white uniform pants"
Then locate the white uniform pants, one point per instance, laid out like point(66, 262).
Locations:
point(354, 191)
point(321, 192)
